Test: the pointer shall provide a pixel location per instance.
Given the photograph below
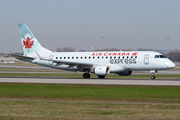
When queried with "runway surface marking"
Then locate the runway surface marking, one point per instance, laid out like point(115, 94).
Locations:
point(160, 82)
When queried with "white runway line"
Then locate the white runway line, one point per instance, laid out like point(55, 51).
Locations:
point(94, 81)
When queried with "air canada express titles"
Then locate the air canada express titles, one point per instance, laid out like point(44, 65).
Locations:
point(114, 54)
point(122, 61)
point(119, 60)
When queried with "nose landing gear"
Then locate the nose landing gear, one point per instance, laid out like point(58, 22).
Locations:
point(153, 74)
point(153, 77)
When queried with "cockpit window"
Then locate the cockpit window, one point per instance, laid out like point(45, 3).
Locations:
point(159, 56)
point(156, 56)
point(162, 56)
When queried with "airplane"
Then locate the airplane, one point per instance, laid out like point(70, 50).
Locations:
point(99, 63)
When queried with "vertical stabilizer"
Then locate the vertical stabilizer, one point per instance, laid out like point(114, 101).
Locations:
point(29, 42)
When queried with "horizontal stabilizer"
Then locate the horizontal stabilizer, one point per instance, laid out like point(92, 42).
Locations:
point(20, 57)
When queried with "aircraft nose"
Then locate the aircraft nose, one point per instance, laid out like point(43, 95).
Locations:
point(171, 65)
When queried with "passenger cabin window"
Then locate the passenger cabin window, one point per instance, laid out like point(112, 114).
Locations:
point(60, 57)
point(76, 57)
point(56, 57)
point(72, 57)
point(89, 57)
point(64, 57)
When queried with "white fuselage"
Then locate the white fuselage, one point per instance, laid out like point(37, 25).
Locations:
point(118, 61)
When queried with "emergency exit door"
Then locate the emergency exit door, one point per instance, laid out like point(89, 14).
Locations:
point(146, 59)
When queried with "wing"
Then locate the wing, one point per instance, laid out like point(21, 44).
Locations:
point(70, 63)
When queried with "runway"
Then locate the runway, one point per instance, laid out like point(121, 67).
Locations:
point(157, 82)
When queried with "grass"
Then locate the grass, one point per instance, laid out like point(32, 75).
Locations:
point(91, 92)
point(35, 94)
point(72, 75)
point(79, 111)
point(37, 102)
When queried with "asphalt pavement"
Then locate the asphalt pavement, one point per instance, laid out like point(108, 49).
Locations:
point(106, 81)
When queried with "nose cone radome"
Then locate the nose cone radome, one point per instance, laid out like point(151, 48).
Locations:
point(171, 65)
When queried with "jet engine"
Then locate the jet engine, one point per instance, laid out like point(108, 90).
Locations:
point(125, 73)
point(100, 70)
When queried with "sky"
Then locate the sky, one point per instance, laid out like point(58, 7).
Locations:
point(120, 24)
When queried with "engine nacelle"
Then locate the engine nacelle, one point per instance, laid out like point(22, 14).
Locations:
point(101, 70)
point(125, 73)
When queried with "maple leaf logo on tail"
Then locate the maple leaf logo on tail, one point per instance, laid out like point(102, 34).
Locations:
point(28, 43)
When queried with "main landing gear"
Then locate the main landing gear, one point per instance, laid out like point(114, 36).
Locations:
point(101, 77)
point(86, 75)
